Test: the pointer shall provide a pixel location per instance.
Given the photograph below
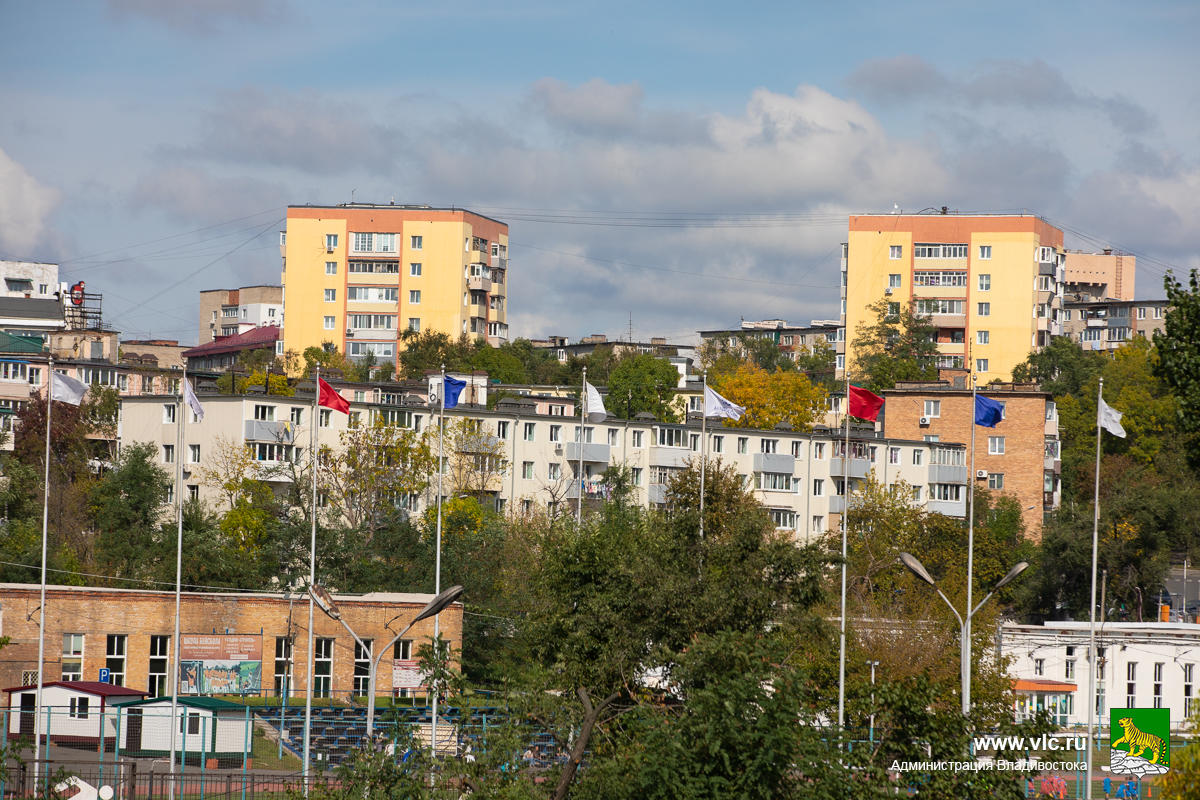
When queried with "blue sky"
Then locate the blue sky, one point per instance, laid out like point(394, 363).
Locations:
point(698, 160)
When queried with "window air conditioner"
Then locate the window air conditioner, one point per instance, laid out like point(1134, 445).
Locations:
point(328, 249)
point(888, 290)
point(558, 449)
point(924, 422)
point(981, 473)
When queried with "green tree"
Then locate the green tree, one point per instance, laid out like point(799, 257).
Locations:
point(1178, 347)
point(1062, 367)
point(126, 506)
point(900, 345)
point(641, 383)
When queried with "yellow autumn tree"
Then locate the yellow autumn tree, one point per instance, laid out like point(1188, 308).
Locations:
point(772, 397)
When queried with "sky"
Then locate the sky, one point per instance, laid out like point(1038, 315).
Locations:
point(663, 167)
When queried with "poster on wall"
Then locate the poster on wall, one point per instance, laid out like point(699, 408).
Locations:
point(220, 664)
point(406, 674)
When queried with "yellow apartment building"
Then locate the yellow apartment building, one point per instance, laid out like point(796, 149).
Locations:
point(992, 284)
point(359, 275)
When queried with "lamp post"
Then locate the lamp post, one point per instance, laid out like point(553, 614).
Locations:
point(434, 607)
point(871, 730)
point(964, 631)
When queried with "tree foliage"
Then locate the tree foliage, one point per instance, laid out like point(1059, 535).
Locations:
point(772, 398)
point(1178, 347)
point(641, 383)
point(899, 345)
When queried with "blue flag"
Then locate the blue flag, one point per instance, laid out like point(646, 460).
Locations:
point(988, 411)
point(451, 390)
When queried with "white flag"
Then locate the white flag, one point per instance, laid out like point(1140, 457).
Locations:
point(595, 404)
point(189, 396)
point(717, 406)
point(1109, 418)
point(66, 390)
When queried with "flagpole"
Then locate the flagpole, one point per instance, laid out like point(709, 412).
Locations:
point(179, 443)
point(703, 445)
point(312, 578)
point(1092, 607)
point(845, 516)
point(965, 643)
point(437, 566)
point(582, 422)
point(37, 714)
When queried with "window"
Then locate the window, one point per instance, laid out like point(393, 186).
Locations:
point(893, 455)
point(985, 309)
point(114, 658)
point(168, 413)
point(894, 280)
point(818, 523)
point(414, 269)
point(893, 309)
point(414, 324)
point(981, 365)
point(818, 487)
point(983, 337)
point(637, 438)
point(985, 253)
point(415, 242)
point(1188, 691)
point(951, 492)
point(956, 278)
point(933, 408)
point(193, 457)
point(797, 449)
point(193, 491)
point(283, 665)
point(775, 481)
point(78, 708)
point(554, 471)
point(613, 433)
point(635, 476)
point(556, 433)
point(925, 250)
point(768, 445)
point(372, 322)
point(743, 444)
point(157, 671)
point(362, 667)
point(895, 251)
point(670, 437)
point(783, 518)
point(995, 480)
point(331, 268)
point(331, 241)
point(168, 453)
point(264, 412)
point(996, 445)
point(931, 306)
point(331, 295)
point(373, 294)
point(1131, 684)
point(323, 668)
point(1039, 666)
point(189, 723)
point(72, 657)
point(818, 451)
point(414, 296)
point(1158, 687)
point(324, 417)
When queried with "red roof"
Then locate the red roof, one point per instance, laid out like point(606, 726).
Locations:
point(1042, 685)
point(250, 340)
point(87, 687)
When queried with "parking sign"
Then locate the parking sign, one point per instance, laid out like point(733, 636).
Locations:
point(105, 675)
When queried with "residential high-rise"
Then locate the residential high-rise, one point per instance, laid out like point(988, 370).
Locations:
point(359, 275)
point(991, 283)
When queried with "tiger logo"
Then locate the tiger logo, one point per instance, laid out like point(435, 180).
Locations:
point(1139, 741)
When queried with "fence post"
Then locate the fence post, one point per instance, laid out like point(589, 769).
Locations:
point(246, 750)
point(102, 745)
point(203, 755)
point(149, 785)
point(131, 782)
point(4, 769)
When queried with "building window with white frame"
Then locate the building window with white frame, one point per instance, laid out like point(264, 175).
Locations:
point(995, 480)
point(414, 324)
point(323, 667)
point(637, 438)
point(331, 268)
point(982, 337)
point(985, 252)
point(160, 646)
point(78, 708)
point(743, 444)
point(168, 413)
point(1188, 690)
point(769, 446)
point(530, 431)
point(1157, 686)
point(168, 453)
point(331, 295)
point(893, 455)
point(917, 458)
point(981, 365)
point(331, 241)
point(818, 487)
point(414, 269)
point(362, 668)
point(995, 445)
point(1131, 684)
point(114, 658)
point(894, 280)
point(556, 433)
point(554, 471)
point(414, 296)
point(416, 242)
point(193, 458)
point(818, 451)
point(718, 444)
point(72, 657)
point(985, 309)
point(933, 408)
point(895, 251)
point(1039, 666)
point(527, 470)
point(283, 666)
point(818, 524)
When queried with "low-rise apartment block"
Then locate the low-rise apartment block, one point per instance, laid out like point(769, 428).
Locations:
point(228, 312)
point(1108, 324)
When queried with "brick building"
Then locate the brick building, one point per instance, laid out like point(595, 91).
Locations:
point(1019, 457)
point(129, 632)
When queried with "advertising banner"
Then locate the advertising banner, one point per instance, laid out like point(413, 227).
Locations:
point(406, 674)
point(220, 664)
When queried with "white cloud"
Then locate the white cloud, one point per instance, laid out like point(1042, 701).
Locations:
point(25, 206)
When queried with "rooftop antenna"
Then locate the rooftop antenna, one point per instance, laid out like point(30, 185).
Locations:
point(895, 208)
point(352, 191)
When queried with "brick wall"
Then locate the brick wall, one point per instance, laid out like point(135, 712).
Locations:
point(138, 615)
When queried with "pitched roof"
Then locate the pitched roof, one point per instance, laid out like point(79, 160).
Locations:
point(30, 308)
point(87, 687)
point(250, 340)
point(208, 703)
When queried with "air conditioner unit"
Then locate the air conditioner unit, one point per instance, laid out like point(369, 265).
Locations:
point(981, 473)
point(328, 249)
point(888, 290)
point(924, 422)
point(558, 449)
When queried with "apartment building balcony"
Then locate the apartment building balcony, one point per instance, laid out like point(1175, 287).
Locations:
point(949, 320)
point(592, 453)
point(657, 494)
point(949, 508)
point(1052, 465)
point(837, 504)
point(1047, 268)
point(947, 473)
point(953, 292)
point(859, 467)
point(260, 430)
point(480, 283)
point(669, 456)
point(952, 348)
point(774, 462)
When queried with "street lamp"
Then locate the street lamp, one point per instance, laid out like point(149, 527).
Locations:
point(871, 733)
point(964, 630)
point(434, 607)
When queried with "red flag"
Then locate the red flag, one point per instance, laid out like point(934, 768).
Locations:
point(331, 399)
point(864, 404)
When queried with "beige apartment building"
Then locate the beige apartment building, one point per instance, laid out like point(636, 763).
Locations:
point(228, 312)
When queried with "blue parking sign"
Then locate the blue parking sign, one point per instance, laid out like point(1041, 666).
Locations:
point(105, 675)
